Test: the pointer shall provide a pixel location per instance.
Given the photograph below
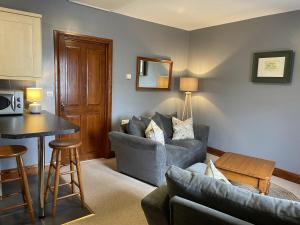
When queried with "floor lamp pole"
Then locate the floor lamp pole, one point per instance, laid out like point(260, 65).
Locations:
point(187, 109)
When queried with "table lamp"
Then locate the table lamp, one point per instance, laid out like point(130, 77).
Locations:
point(188, 85)
point(34, 95)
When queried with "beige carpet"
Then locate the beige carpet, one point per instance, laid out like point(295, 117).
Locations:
point(114, 197)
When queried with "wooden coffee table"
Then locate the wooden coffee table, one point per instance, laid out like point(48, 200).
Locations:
point(247, 170)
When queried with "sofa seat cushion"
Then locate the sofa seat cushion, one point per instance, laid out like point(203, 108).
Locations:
point(184, 153)
point(181, 156)
point(245, 205)
point(191, 144)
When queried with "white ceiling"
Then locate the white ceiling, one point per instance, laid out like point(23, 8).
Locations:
point(193, 14)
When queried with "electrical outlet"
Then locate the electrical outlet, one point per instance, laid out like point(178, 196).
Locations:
point(128, 76)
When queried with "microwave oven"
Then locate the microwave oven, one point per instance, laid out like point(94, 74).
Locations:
point(11, 102)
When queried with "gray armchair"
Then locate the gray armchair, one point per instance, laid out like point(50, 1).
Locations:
point(148, 160)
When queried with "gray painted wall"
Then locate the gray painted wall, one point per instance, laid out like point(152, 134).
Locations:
point(255, 119)
point(131, 38)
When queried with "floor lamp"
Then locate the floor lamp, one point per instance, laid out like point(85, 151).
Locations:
point(188, 85)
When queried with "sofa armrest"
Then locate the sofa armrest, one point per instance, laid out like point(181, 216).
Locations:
point(156, 206)
point(139, 157)
point(184, 212)
point(201, 132)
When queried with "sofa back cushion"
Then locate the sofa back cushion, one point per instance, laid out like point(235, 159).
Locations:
point(136, 127)
point(248, 206)
point(166, 121)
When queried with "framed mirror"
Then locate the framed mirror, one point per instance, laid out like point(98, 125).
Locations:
point(153, 74)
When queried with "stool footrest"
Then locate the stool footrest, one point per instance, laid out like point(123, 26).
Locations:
point(10, 195)
point(61, 166)
point(60, 185)
point(13, 207)
point(9, 180)
point(68, 196)
point(68, 172)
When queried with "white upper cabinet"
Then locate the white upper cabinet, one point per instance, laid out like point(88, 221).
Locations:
point(20, 45)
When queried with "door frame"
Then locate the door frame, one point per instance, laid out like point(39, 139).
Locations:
point(109, 43)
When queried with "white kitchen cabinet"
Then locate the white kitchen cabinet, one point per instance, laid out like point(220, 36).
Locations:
point(20, 45)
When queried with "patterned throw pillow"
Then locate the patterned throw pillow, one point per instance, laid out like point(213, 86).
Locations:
point(154, 133)
point(182, 129)
point(212, 171)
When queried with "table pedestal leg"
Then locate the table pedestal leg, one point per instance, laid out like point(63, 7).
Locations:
point(41, 175)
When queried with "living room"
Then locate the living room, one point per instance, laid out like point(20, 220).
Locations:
point(227, 97)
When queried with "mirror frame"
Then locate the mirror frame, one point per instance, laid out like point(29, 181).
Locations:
point(170, 62)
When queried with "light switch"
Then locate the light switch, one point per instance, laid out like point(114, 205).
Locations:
point(49, 93)
point(128, 76)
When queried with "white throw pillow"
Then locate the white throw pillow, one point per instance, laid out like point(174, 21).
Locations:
point(182, 129)
point(154, 133)
point(212, 171)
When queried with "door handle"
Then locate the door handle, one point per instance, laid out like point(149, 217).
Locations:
point(62, 106)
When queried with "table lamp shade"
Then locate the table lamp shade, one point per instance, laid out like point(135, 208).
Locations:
point(188, 84)
point(34, 94)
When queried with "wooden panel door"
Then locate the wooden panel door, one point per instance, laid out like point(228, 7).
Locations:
point(84, 89)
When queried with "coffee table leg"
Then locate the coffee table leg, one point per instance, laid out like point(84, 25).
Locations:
point(263, 187)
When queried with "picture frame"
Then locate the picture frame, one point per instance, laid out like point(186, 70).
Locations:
point(272, 67)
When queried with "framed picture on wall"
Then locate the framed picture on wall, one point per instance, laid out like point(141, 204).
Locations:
point(272, 67)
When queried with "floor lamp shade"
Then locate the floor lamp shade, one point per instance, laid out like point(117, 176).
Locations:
point(188, 84)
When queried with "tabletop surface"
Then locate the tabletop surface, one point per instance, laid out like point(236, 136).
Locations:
point(250, 166)
point(34, 125)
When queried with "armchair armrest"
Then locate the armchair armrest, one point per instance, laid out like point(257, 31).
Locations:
point(201, 132)
point(156, 206)
point(139, 157)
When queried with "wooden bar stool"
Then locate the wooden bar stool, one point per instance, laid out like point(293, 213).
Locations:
point(72, 147)
point(16, 151)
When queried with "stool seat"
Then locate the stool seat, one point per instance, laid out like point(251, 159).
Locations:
point(9, 151)
point(70, 143)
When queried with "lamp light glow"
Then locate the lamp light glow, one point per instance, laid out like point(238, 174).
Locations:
point(34, 95)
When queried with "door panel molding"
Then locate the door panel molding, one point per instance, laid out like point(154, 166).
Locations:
point(59, 36)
